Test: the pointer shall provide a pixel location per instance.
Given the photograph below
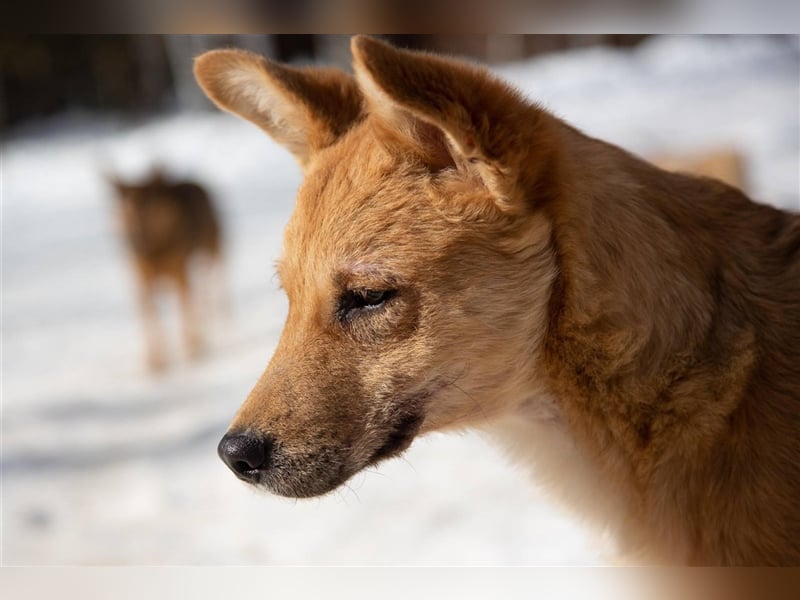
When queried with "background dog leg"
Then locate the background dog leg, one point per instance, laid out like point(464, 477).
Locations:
point(218, 292)
point(191, 333)
point(154, 340)
point(213, 295)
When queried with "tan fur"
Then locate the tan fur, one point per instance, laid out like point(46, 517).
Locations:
point(725, 164)
point(631, 334)
point(168, 226)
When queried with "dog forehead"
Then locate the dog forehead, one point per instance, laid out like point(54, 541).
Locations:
point(364, 208)
point(356, 166)
point(355, 188)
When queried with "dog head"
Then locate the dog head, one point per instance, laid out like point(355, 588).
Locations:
point(417, 262)
point(148, 213)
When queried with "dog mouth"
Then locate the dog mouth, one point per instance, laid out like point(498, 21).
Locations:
point(323, 473)
point(305, 476)
point(297, 475)
point(399, 438)
point(405, 429)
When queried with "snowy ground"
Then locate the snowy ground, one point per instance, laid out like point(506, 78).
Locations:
point(103, 464)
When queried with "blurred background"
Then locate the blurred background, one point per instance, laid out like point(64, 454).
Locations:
point(105, 461)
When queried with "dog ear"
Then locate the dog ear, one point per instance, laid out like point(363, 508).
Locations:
point(305, 109)
point(487, 127)
point(115, 181)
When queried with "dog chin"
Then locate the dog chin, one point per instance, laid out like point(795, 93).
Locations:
point(280, 483)
point(311, 488)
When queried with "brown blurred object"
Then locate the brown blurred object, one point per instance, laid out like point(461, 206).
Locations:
point(498, 48)
point(344, 16)
point(673, 583)
point(172, 228)
point(725, 164)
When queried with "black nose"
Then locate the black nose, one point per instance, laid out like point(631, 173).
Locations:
point(246, 455)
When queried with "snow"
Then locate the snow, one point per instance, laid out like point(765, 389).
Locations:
point(104, 464)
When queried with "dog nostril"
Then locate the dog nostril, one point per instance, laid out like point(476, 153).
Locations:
point(241, 466)
point(245, 455)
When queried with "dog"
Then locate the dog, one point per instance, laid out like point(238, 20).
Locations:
point(459, 257)
point(168, 226)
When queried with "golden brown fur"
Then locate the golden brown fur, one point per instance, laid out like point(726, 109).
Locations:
point(725, 164)
point(167, 226)
point(459, 257)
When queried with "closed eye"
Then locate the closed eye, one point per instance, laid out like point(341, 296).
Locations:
point(362, 300)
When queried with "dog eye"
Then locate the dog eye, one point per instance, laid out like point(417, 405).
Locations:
point(360, 300)
point(373, 297)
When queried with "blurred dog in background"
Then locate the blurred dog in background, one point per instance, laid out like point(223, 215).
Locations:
point(170, 228)
point(724, 164)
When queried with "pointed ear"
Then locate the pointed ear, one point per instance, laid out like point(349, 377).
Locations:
point(305, 109)
point(489, 129)
point(114, 180)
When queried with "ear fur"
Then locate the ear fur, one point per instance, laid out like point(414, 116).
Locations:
point(490, 129)
point(115, 181)
point(305, 109)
